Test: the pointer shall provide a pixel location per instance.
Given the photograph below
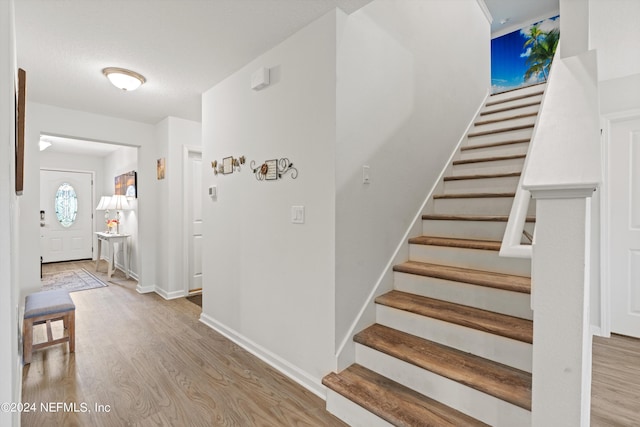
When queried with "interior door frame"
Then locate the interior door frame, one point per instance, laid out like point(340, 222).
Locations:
point(186, 151)
point(93, 200)
point(609, 121)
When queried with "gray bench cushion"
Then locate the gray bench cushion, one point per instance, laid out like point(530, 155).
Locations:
point(48, 302)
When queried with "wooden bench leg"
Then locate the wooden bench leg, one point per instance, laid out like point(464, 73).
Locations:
point(71, 326)
point(27, 340)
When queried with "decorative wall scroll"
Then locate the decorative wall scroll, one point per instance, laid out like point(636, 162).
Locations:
point(272, 170)
point(227, 165)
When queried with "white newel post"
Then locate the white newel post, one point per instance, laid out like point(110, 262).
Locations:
point(560, 298)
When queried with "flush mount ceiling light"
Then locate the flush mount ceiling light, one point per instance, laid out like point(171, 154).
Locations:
point(124, 79)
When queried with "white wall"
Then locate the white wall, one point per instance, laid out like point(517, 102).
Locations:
point(172, 134)
point(268, 283)
point(10, 386)
point(406, 92)
point(614, 33)
point(58, 121)
point(123, 160)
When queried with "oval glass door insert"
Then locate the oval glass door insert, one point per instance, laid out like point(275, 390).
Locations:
point(66, 205)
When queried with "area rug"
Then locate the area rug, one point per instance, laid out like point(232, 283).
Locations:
point(71, 280)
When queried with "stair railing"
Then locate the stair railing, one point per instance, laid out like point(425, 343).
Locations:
point(512, 245)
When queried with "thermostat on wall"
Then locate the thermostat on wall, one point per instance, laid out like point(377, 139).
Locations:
point(260, 78)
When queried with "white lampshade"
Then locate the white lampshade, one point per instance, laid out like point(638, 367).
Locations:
point(119, 202)
point(104, 202)
point(124, 79)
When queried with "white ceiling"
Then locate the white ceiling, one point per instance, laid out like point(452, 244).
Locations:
point(517, 12)
point(182, 47)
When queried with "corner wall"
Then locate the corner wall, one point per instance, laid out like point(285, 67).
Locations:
point(268, 283)
point(172, 134)
point(411, 75)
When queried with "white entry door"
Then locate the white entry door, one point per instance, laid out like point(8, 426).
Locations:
point(193, 211)
point(624, 216)
point(66, 226)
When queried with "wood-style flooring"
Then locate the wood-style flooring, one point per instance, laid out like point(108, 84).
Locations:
point(154, 364)
point(150, 362)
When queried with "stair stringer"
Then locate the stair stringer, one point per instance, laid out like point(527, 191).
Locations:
point(346, 352)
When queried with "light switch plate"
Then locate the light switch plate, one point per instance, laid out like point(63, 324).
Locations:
point(297, 214)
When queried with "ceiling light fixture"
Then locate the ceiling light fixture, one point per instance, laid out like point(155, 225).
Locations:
point(124, 79)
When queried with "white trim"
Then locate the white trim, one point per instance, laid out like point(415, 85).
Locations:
point(303, 378)
point(186, 150)
point(485, 10)
point(388, 269)
point(563, 191)
point(145, 289)
point(169, 295)
point(605, 225)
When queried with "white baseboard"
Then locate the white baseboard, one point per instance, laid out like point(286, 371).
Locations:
point(307, 381)
point(145, 289)
point(169, 295)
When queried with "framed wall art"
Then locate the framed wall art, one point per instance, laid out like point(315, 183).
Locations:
point(19, 139)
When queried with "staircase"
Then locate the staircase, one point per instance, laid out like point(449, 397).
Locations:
point(452, 343)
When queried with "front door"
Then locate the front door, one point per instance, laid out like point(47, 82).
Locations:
point(624, 218)
point(66, 215)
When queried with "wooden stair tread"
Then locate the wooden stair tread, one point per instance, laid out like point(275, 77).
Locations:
point(504, 119)
point(501, 130)
point(507, 282)
point(502, 381)
point(515, 98)
point(496, 218)
point(495, 144)
point(489, 245)
point(489, 159)
point(393, 402)
point(470, 317)
point(481, 176)
point(472, 195)
point(515, 107)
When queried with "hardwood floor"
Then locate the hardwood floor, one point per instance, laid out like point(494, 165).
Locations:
point(154, 364)
point(615, 390)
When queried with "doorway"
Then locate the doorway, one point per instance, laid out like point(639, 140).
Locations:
point(623, 189)
point(192, 191)
point(66, 215)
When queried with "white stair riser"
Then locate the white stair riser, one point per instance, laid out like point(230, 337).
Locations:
point(500, 150)
point(510, 104)
point(482, 185)
point(506, 114)
point(511, 135)
point(521, 91)
point(516, 354)
point(479, 405)
point(529, 120)
point(497, 166)
point(476, 259)
point(481, 230)
point(352, 413)
point(473, 206)
point(497, 300)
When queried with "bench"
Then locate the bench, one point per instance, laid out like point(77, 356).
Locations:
point(47, 307)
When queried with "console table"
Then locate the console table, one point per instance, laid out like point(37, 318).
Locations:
point(111, 240)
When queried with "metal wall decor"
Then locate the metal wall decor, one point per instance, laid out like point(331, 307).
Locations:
point(272, 170)
point(227, 165)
